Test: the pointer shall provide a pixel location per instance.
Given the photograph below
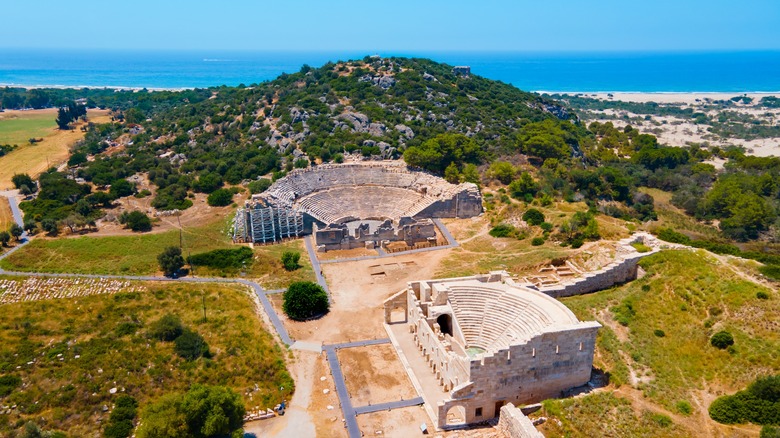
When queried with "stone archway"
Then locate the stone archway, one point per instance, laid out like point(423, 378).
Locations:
point(445, 323)
point(456, 414)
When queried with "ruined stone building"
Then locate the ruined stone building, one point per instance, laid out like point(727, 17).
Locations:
point(490, 341)
point(327, 196)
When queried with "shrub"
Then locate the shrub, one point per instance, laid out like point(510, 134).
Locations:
point(120, 422)
point(759, 404)
point(722, 339)
point(662, 420)
point(684, 407)
point(546, 226)
point(659, 333)
point(5, 237)
point(8, 383)
point(220, 198)
point(290, 260)
point(23, 179)
point(203, 411)
point(641, 247)
point(167, 328)
point(136, 221)
point(769, 432)
point(576, 243)
point(770, 271)
point(533, 216)
point(304, 300)
point(502, 230)
point(761, 295)
point(259, 186)
point(170, 260)
point(190, 345)
point(537, 241)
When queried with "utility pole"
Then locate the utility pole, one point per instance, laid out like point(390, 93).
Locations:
point(203, 296)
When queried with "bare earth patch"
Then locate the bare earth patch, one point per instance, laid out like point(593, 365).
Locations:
point(374, 375)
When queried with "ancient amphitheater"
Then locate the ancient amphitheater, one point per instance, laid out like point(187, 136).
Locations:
point(318, 197)
point(489, 341)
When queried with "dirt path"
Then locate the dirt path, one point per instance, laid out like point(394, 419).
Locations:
point(297, 421)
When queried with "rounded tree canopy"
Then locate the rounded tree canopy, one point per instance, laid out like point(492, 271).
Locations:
point(304, 300)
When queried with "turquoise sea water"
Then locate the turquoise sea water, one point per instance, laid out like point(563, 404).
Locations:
point(639, 72)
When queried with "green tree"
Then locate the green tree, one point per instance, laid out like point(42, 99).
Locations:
point(170, 260)
point(722, 339)
point(452, 174)
point(138, 221)
point(190, 345)
point(471, 174)
point(290, 260)
point(121, 188)
point(259, 186)
point(167, 328)
point(502, 171)
point(304, 300)
point(30, 226)
point(64, 118)
point(203, 411)
point(5, 237)
point(49, 225)
point(524, 187)
point(220, 198)
point(22, 179)
point(16, 231)
point(439, 152)
point(533, 216)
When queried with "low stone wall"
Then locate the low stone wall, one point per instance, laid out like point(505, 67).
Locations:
point(622, 270)
point(514, 424)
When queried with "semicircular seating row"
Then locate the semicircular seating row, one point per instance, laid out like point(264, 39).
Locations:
point(332, 192)
point(493, 319)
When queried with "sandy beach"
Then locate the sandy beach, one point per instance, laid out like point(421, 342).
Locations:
point(680, 98)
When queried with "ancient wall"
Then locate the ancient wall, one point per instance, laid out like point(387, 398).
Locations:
point(513, 424)
point(622, 270)
point(338, 236)
point(542, 368)
point(466, 203)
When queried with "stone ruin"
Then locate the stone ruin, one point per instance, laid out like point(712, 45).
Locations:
point(372, 234)
point(490, 341)
point(327, 196)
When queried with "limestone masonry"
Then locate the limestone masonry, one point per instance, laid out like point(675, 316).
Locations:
point(490, 341)
point(328, 196)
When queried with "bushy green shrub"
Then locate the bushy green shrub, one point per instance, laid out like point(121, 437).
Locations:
point(120, 422)
point(533, 216)
point(290, 260)
point(191, 345)
point(537, 241)
point(304, 300)
point(220, 198)
point(684, 407)
point(722, 339)
point(8, 383)
point(759, 404)
point(502, 230)
point(136, 221)
point(659, 333)
point(770, 271)
point(770, 432)
point(761, 295)
point(167, 328)
point(259, 186)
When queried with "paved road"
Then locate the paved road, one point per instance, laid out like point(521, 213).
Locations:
point(359, 343)
point(350, 416)
point(17, 214)
point(390, 405)
point(315, 264)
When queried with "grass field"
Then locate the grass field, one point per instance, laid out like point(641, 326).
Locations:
point(16, 127)
point(688, 296)
point(137, 255)
point(69, 364)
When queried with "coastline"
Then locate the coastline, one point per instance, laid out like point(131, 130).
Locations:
point(96, 87)
point(679, 97)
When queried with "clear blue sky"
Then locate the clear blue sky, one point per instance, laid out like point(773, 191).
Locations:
point(394, 25)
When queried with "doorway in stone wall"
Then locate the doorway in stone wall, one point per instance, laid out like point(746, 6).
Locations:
point(445, 322)
point(499, 405)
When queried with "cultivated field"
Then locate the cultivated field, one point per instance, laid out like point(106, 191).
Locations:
point(6, 217)
point(98, 348)
point(17, 127)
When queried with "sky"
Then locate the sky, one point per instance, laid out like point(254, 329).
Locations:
point(395, 25)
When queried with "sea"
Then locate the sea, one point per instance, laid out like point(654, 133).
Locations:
point(645, 72)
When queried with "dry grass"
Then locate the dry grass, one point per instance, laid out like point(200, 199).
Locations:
point(6, 217)
point(70, 352)
point(51, 152)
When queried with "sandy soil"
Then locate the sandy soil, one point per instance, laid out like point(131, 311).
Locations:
point(6, 217)
point(374, 375)
point(358, 290)
point(51, 152)
point(404, 422)
point(679, 132)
